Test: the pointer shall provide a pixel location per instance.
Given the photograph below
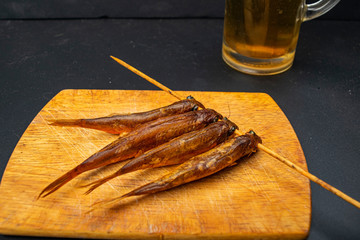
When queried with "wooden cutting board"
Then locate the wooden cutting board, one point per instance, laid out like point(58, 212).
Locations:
point(258, 198)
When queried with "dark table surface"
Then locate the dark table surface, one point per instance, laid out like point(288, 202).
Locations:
point(319, 94)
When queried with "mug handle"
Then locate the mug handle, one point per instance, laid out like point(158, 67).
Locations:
point(318, 8)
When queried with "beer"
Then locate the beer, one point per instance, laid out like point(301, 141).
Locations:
point(261, 35)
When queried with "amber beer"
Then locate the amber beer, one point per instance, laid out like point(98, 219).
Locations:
point(260, 36)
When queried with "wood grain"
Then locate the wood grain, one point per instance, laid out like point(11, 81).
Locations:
point(258, 198)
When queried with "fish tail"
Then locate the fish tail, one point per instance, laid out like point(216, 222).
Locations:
point(98, 183)
point(66, 122)
point(108, 202)
point(58, 183)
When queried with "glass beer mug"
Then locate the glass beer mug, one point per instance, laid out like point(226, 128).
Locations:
point(260, 36)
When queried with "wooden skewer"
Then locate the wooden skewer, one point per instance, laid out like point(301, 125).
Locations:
point(310, 176)
point(149, 79)
point(260, 146)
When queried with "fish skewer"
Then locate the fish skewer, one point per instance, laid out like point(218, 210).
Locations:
point(143, 138)
point(177, 150)
point(200, 166)
point(119, 124)
point(290, 164)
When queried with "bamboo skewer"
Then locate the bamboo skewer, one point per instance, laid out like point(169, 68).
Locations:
point(310, 176)
point(149, 79)
point(260, 146)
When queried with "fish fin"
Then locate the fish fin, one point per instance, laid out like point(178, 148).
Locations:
point(233, 164)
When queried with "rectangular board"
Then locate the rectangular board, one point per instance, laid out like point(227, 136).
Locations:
point(257, 198)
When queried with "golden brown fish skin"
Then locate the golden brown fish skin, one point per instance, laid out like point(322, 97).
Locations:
point(122, 123)
point(141, 139)
point(203, 165)
point(177, 150)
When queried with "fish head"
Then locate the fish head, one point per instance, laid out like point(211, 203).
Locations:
point(196, 104)
point(232, 126)
point(210, 115)
point(256, 139)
